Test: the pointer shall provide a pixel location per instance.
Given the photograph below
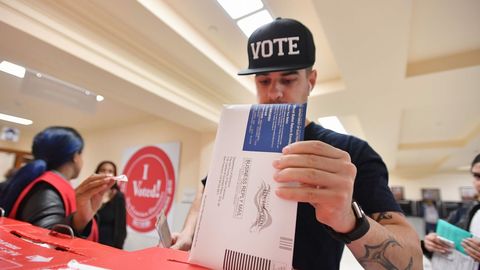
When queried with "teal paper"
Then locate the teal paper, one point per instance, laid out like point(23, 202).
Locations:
point(453, 233)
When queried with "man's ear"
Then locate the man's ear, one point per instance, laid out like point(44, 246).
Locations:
point(312, 78)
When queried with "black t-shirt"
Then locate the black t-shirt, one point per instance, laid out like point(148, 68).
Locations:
point(314, 247)
point(111, 220)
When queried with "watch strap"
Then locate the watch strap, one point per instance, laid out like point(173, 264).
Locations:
point(361, 226)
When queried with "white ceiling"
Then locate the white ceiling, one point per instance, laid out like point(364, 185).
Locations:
point(403, 74)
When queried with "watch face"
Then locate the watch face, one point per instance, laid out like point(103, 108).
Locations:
point(361, 227)
point(357, 210)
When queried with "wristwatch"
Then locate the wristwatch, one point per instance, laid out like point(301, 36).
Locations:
point(361, 226)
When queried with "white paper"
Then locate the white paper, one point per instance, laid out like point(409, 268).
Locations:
point(75, 265)
point(453, 260)
point(242, 223)
point(165, 238)
point(121, 178)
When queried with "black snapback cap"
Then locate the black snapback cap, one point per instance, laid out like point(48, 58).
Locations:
point(284, 44)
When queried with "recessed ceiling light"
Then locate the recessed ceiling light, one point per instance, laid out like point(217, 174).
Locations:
point(12, 69)
point(100, 98)
point(14, 119)
point(252, 22)
point(332, 122)
point(237, 9)
point(464, 168)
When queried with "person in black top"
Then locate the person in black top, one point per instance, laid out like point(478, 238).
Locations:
point(40, 192)
point(466, 217)
point(112, 215)
point(338, 173)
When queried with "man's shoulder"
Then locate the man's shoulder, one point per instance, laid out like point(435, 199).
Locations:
point(314, 131)
point(348, 143)
point(472, 207)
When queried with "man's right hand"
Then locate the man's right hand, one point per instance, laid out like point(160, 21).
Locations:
point(181, 241)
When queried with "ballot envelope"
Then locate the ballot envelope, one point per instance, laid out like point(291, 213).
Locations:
point(242, 223)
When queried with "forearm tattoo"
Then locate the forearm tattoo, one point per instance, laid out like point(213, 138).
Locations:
point(375, 254)
point(382, 216)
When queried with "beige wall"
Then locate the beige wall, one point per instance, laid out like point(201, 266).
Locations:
point(24, 143)
point(207, 142)
point(448, 183)
point(110, 144)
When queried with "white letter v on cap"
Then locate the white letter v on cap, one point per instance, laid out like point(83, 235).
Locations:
point(255, 49)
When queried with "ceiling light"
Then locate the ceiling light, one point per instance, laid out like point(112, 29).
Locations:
point(12, 69)
point(14, 119)
point(464, 168)
point(237, 9)
point(252, 22)
point(67, 86)
point(332, 122)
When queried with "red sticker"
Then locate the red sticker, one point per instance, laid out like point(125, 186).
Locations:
point(150, 187)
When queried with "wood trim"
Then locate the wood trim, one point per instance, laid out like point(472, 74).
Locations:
point(21, 157)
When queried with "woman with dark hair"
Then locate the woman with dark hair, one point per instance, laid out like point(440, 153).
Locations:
point(40, 192)
point(111, 218)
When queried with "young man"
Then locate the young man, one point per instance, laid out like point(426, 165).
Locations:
point(467, 217)
point(338, 173)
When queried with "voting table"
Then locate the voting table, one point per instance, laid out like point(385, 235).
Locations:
point(24, 246)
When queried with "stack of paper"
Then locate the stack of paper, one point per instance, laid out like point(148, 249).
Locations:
point(242, 223)
point(453, 233)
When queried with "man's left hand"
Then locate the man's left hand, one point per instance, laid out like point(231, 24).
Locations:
point(325, 175)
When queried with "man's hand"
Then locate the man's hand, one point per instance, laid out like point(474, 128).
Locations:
point(472, 247)
point(325, 175)
point(181, 241)
point(434, 244)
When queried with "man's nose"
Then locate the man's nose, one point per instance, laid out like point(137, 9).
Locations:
point(275, 91)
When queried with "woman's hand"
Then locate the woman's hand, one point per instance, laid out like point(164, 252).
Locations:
point(89, 196)
point(472, 247)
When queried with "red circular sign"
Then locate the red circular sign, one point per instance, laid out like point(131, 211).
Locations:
point(150, 187)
